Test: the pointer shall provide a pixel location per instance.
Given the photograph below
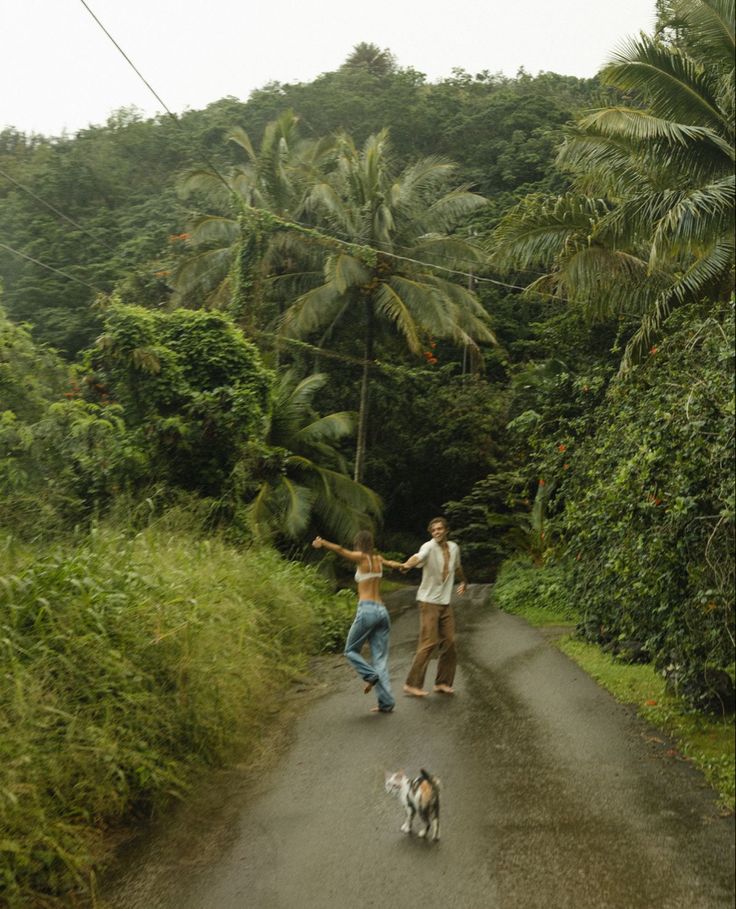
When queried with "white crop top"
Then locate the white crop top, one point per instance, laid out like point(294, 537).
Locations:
point(367, 575)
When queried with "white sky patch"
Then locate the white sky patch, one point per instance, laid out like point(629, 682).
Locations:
point(58, 70)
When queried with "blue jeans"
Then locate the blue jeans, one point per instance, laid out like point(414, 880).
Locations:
point(373, 625)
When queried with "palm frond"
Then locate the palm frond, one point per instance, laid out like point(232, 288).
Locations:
point(710, 30)
point(707, 269)
point(330, 428)
point(394, 306)
point(215, 229)
point(637, 126)
point(240, 137)
point(697, 218)
point(313, 310)
point(346, 271)
point(540, 229)
point(674, 85)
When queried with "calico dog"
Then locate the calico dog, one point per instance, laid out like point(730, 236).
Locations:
point(418, 796)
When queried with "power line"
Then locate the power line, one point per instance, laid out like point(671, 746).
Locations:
point(153, 91)
point(58, 271)
point(295, 224)
point(56, 211)
point(334, 355)
point(140, 75)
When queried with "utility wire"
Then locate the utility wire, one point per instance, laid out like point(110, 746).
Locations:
point(286, 222)
point(153, 91)
point(56, 211)
point(58, 271)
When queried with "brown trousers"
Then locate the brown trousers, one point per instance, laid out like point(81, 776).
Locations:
point(436, 629)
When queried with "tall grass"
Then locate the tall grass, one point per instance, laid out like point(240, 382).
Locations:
point(125, 664)
point(541, 595)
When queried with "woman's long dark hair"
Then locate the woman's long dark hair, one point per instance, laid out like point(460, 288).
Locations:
point(363, 541)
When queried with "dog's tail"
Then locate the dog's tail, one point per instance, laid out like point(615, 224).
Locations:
point(424, 774)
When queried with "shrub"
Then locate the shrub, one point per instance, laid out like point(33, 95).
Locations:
point(648, 517)
point(127, 664)
point(541, 593)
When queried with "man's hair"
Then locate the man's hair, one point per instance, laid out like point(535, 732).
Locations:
point(363, 541)
point(439, 520)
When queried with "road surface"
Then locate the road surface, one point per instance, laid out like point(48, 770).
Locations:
point(553, 796)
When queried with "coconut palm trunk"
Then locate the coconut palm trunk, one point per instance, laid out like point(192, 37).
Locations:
point(362, 435)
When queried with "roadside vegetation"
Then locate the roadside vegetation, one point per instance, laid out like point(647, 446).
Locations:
point(539, 596)
point(131, 663)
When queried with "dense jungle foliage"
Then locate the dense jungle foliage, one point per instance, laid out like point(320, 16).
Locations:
point(360, 301)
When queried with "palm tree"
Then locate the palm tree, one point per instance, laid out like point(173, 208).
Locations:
point(649, 222)
point(275, 178)
point(371, 58)
point(303, 476)
point(404, 221)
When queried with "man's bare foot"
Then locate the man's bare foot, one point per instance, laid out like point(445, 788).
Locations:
point(415, 692)
point(444, 689)
point(369, 686)
point(382, 710)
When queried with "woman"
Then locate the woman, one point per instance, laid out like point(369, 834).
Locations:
point(371, 622)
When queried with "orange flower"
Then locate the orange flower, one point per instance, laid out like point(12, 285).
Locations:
point(650, 703)
point(565, 466)
point(562, 448)
point(541, 482)
point(652, 350)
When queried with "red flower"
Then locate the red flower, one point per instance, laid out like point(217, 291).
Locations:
point(562, 448)
point(541, 482)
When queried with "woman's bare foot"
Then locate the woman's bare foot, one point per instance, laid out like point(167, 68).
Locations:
point(369, 686)
point(444, 689)
point(415, 692)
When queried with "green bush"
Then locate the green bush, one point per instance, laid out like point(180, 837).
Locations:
point(126, 664)
point(541, 594)
point(648, 516)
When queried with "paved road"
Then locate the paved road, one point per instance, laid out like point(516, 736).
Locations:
point(553, 796)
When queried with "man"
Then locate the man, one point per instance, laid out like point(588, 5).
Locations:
point(440, 561)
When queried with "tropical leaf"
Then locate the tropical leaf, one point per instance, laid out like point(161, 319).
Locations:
point(648, 224)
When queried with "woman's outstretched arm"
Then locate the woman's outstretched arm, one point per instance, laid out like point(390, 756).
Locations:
point(392, 564)
point(350, 554)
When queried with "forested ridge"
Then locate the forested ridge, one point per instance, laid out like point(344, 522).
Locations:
point(359, 301)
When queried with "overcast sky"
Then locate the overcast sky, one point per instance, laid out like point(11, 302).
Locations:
point(58, 70)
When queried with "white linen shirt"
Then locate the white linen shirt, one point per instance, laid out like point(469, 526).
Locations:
point(433, 589)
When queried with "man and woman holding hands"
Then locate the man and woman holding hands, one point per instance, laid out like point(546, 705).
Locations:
point(439, 559)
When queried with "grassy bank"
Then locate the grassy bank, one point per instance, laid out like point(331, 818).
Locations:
point(539, 596)
point(128, 665)
point(707, 742)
